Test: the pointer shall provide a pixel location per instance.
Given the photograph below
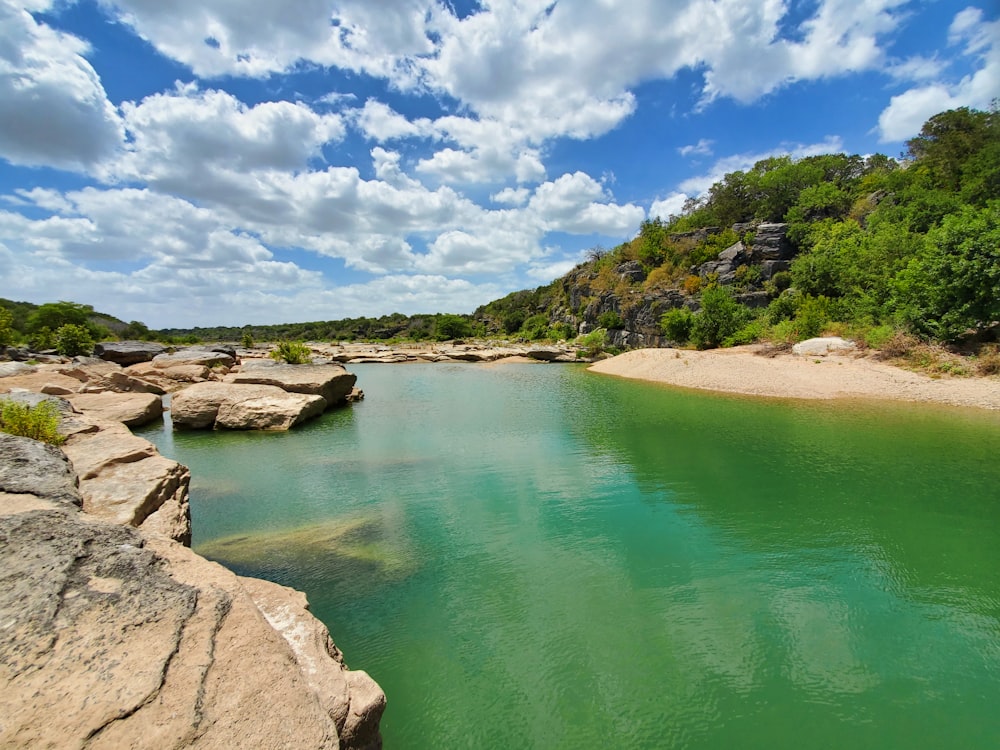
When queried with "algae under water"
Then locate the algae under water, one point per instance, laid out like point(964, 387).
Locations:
point(537, 556)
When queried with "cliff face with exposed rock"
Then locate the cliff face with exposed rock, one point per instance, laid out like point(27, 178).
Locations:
point(117, 635)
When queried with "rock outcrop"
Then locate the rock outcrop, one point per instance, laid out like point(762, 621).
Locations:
point(132, 409)
point(115, 636)
point(332, 381)
point(238, 406)
point(126, 353)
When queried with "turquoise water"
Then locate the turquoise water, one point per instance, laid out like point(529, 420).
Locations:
point(533, 556)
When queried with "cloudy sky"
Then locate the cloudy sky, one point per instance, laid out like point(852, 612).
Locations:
point(186, 162)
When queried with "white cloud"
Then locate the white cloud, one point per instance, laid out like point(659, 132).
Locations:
point(908, 111)
point(702, 148)
point(511, 196)
point(178, 134)
point(53, 108)
point(259, 37)
point(669, 206)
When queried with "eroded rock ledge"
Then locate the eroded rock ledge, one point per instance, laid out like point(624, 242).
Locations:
point(117, 636)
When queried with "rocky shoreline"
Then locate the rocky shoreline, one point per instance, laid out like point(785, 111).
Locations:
point(114, 633)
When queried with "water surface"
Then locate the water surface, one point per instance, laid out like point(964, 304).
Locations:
point(537, 556)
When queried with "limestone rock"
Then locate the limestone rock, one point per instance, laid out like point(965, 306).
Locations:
point(111, 640)
point(352, 698)
point(15, 368)
point(770, 243)
point(125, 481)
point(132, 409)
point(35, 470)
point(240, 406)
point(128, 352)
point(275, 412)
point(331, 381)
point(819, 347)
point(194, 357)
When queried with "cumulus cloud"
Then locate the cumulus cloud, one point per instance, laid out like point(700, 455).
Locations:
point(980, 40)
point(259, 37)
point(669, 206)
point(53, 109)
point(702, 148)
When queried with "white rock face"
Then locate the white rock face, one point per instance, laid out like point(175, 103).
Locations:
point(822, 346)
point(237, 406)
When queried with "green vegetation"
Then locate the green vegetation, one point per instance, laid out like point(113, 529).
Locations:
point(39, 422)
point(72, 340)
point(292, 352)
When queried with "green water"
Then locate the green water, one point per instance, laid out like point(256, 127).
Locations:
point(530, 556)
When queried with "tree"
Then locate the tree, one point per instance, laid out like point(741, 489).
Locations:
point(451, 327)
point(72, 340)
point(6, 327)
point(719, 318)
point(952, 286)
point(54, 315)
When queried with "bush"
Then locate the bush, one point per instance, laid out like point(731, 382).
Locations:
point(39, 422)
point(748, 334)
point(72, 340)
point(988, 361)
point(247, 340)
point(676, 324)
point(593, 343)
point(6, 327)
point(292, 352)
point(610, 319)
point(811, 316)
point(451, 327)
point(536, 327)
point(719, 318)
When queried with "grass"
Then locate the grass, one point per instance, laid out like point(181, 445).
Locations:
point(39, 422)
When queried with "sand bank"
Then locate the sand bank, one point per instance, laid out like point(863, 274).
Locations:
point(740, 370)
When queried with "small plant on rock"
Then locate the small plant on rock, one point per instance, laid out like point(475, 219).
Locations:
point(292, 352)
point(39, 422)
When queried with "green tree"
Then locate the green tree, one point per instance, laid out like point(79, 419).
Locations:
point(952, 286)
point(676, 324)
point(54, 315)
point(449, 326)
point(72, 340)
point(6, 327)
point(719, 318)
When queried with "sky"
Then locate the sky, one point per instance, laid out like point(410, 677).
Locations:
point(234, 162)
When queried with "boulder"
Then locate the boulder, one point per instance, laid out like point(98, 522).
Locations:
point(332, 381)
point(114, 640)
point(15, 368)
point(273, 412)
point(126, 353)
point(194, 357)
point(35, 475)
point(242, 406)
point(133, 409)
point(125, 481)
point(822, 346)
point(770, 243)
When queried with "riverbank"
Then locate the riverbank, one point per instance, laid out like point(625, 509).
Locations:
point(743, 370)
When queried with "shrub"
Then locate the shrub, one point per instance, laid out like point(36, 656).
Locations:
point(748, 334)
point(536, 327)
point(72, 340)
point(811, 316)
point(247, 340)
point(692, 284)
point(719, 318)
point(593, 343)
point(676, 324)
point(988, 362)
point(449, 326)
point(610, 319)
point(6, 327)
point(292, 352)
point(43, 338)
point(39, 422)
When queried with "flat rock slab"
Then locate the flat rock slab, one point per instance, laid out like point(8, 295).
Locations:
point(238, 406)
point(332, 381)
point(194, 357)
point(126, 353)
point(29, 467)
point(132, 409)
point(111, 640)
point(15, 368)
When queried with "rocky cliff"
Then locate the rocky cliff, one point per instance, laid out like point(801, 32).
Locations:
point(115, 634)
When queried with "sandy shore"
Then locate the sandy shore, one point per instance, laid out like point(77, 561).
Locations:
point(739, 370)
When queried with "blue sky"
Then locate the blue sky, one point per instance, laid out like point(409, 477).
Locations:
point(201, 162)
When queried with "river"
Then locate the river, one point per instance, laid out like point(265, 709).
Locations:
point(534, 556)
